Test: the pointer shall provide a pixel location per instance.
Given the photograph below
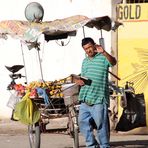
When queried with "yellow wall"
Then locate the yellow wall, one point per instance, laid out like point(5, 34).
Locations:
point(133, 47)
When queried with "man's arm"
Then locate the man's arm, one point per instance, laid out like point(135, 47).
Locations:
point(110, 58)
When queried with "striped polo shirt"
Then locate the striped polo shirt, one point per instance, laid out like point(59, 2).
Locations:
point(95, 69)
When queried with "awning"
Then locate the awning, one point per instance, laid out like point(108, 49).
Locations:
point(57, 29)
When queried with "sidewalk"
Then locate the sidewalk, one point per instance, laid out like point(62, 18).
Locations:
point(12, 127)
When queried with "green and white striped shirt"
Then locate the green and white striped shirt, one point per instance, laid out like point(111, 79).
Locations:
point(95, 69)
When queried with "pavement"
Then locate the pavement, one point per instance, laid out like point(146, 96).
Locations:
point(117, 140)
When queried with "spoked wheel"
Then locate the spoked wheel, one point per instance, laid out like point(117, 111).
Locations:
point(76, 136)
point(34, 135)
point(73, 128)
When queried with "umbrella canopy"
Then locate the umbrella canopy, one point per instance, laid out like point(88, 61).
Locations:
point(57, 29)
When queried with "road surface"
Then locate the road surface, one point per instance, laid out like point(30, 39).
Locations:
point(14, 135)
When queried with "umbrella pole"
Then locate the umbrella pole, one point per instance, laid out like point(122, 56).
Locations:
point(101, 40)
point(24, 64)
point(38, 49)
point(83, 32)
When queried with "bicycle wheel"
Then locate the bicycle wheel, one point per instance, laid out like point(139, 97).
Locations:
point(34, 135)
point(76, 136)
point(73, 126)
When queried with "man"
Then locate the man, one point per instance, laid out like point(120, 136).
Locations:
point(94, 96)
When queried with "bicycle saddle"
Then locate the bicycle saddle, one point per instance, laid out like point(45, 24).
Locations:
point(14, 68)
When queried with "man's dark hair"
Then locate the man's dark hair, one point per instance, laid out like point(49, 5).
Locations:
point(87, 40)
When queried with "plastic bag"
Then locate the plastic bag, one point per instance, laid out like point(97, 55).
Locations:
point(27, 111)
point(134, 115)
point(13, 100)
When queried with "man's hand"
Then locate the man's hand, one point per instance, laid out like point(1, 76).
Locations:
point(110, 58)
point(99, 49)
point(79, 82)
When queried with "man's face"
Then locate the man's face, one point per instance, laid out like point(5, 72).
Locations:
point(90, 49)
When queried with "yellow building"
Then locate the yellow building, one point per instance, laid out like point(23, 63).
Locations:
point(133, 49)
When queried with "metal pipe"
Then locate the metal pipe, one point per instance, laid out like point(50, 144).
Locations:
point(38, 49)
point(24, 64)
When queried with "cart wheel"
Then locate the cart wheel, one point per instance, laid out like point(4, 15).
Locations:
point(73, 127)
point(34, 135)
point(76, 136)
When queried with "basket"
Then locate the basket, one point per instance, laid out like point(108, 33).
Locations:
point(70, 92)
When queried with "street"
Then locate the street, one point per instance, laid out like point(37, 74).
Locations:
point(14, 135)
point(47, 141)
point(64, 141)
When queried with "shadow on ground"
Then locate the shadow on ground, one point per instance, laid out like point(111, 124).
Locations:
point(125, 144)
point(130, 144)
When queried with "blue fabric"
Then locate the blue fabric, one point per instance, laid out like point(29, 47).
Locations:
point(99, 114)
point(42, 92)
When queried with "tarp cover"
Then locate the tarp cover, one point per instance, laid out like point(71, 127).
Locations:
point(59, 28)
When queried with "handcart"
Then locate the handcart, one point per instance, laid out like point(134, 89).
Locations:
point(62, 101)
